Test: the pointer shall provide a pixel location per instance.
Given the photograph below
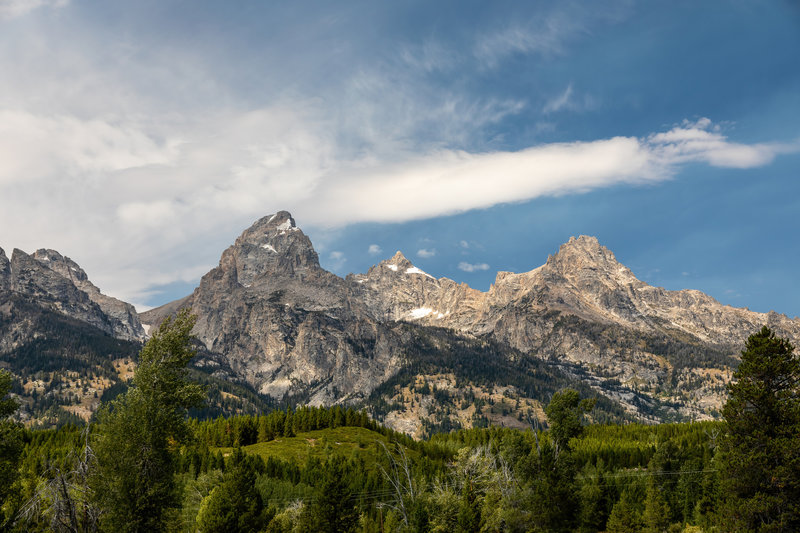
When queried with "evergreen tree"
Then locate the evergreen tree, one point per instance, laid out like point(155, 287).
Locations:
point(554, 504)
point(593, 499)
point(333, 508)
point(656, 509)
point(140, 432)
point(564, 416)
point(626, 517)
point(235, 505)
point(761, 451)
point(10, 443)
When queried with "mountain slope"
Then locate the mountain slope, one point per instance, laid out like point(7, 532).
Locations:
point(285, 325)
point(297, 332)
point(66, 342)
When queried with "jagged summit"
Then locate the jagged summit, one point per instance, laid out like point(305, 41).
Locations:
point(583, 260)
point(280, 221)
point(398, 258)
point(57, 283)
point(273, 245)
point(400, 264)
point(61, 264)
point(582, 250)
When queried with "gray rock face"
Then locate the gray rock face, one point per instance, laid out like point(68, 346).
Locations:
point(57, 283)
point(584, 307)
point(397, 290)
point(121, 316)
point(285, 325)
point(288, 327)
point(5, 272)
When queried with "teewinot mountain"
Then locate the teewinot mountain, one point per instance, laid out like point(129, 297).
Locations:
point(425, 352)
point(420, 353)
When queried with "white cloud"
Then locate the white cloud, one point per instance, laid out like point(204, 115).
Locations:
point(16, 8)
point(693, 142)
point(374, 249)
point(448, 181)
point(426, 253)
point(148, 197)
point(464, 244)
point(34, 146)
point(469, 267)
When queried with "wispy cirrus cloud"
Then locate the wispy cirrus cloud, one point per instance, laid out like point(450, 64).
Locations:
point(546, 36)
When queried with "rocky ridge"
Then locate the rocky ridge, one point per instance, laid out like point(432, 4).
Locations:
point(292, 329)
point(55, 282)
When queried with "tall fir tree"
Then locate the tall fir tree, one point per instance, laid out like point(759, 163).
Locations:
point(140, 432)
point(11, 444)
point(761, 451)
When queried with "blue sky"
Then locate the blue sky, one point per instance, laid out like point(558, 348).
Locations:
point(140, 138)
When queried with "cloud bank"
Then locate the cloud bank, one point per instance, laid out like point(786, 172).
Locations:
point(126, 192)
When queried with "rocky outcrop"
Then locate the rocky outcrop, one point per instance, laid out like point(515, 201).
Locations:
point(121, 316)
point(397, 290)
point(5, 272)
point(57, 283)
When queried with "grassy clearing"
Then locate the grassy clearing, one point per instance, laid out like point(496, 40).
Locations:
point(320, 444)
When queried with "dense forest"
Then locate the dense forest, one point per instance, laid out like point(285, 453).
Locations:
point(144, 464)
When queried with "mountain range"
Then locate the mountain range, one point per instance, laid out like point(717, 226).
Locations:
point(421, 353)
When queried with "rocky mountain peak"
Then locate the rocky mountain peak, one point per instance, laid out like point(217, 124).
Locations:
point(273, 245)
point(398, 258)
point(584, 248)
point(56, 282)
point(61, 264)
point(400, 264)
point(584, 257)
point(397, 263)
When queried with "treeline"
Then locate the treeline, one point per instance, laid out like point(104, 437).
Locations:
point(602, 477)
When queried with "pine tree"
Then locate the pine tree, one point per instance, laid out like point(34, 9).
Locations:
point(333, 508)
point(235, 505)
point(140, 431)
point(761, 451)
point(10, 443)
point(626, 517)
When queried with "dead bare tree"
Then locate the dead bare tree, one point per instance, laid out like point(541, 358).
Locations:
point(405, 489)
point(65, 499)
